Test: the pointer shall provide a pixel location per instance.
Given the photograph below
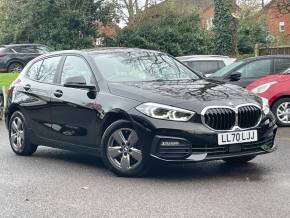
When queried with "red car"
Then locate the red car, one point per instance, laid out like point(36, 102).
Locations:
point(276, 89)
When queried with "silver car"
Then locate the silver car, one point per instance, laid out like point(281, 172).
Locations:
point(206, 64)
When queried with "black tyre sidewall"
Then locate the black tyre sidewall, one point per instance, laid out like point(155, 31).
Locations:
point(137, 172)
point(274, 109)
point(28, 148)
point(9, 67)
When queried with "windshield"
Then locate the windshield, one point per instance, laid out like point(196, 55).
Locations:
point(141, 66)
point(224, 71)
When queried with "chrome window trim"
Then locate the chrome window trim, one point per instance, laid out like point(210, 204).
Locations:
point(236, 110)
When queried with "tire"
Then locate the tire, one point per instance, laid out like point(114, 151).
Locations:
point(19, 136)
point(121, 153)
point(278, 107)
point(239, 160)
point(15, 67)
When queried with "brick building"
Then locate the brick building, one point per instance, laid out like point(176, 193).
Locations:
point(277, 21)
point(207, 15)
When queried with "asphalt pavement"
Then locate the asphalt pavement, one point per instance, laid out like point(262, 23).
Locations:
point(56, 183)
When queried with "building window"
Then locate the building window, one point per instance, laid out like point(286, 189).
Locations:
point(209, 23)
point(282, 27)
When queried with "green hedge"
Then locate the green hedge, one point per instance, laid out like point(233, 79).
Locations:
point(7, 78)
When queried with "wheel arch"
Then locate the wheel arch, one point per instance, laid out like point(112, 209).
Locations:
point(15, 60)
point(277, 99)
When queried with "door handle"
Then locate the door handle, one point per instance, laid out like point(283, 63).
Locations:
point(58, 93)
point(27, 87)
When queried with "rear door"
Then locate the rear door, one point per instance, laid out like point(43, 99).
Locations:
point(35, 95)
point(75, 114)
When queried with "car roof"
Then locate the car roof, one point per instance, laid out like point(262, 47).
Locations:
point(265, 57)
point(100, 50)
point(18, 45)
point(203, 57)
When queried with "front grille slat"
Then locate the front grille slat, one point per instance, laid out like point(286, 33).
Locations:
point(225, 118)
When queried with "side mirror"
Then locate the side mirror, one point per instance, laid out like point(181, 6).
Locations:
point(78, 82)
point(236, 76)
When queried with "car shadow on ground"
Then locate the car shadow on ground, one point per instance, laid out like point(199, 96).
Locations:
point(206, 171)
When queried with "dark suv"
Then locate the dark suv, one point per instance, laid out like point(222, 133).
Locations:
point(132, 107)
point(15, 57)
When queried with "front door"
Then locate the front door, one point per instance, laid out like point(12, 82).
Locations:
point(253, 71)
point(75, 112)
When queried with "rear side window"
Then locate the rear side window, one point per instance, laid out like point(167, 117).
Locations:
point(281, 65)
point(34, 70)
point(205, 66)
point(27, 49)
point(45, 71)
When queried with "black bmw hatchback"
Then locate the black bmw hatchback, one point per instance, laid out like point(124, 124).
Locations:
point(133, 108)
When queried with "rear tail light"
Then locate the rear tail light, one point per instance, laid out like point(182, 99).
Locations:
point(2, 55)
point(10, 91)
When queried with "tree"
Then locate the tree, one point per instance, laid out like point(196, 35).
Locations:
point(129, 9)
point(283, 6)
point(167, 29)
point(224, 28)
point(252, 30)
point(62, 24)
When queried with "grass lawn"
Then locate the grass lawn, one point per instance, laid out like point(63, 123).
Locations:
point(7, 78)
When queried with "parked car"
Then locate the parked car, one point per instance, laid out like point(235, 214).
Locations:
point(275, 88)
point(133, 107)
point(15, 57)
point(246, 71)
point(206, 64)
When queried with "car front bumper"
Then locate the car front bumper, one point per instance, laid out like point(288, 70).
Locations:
point(181, 142)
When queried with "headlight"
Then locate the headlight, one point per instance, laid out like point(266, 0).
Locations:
point(165, 112)
point(263, 88)
point(265, 106)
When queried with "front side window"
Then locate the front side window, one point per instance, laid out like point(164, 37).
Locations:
point(141, 66)
point(27, 49)
point(227, 69)
point(41, 49)
point(74, 67)
point(256, 69)
point(48, 69)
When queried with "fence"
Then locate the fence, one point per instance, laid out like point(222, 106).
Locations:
point(279, 50)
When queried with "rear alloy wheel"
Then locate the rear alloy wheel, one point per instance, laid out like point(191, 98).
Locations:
point(121, 150)
point(281, 109)
point(15, 67)
point(239, 160)
point(18, 135)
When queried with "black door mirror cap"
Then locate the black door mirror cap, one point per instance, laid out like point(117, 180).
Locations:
point(235, 76)
point(78, 82)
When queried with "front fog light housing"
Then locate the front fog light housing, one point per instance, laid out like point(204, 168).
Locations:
point(165, 112)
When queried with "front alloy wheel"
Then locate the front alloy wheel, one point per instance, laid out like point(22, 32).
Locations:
point(121, 150)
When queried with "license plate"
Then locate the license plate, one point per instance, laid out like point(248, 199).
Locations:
point(237, 137)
